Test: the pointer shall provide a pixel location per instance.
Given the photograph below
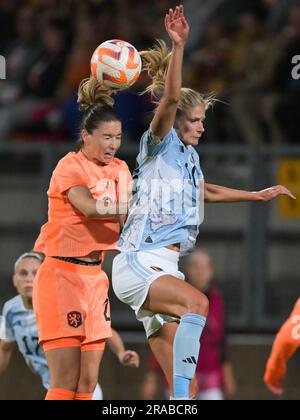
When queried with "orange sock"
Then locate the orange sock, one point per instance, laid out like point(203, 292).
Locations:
point(60, 394)
point(81, 396)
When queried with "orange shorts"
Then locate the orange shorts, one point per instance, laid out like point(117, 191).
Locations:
point(71, 300)
point(62, 343)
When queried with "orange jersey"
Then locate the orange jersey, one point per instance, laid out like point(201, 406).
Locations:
point(68, 232)
point(285, 345)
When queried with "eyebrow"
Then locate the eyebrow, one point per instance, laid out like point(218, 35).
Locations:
point(197, 119)
point(112, 135)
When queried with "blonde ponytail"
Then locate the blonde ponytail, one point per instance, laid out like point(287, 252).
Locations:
point(156, 63)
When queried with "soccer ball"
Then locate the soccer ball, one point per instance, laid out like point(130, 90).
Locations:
point(117, 64)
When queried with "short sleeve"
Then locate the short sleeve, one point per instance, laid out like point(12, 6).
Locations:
point(68, 174)
point(296, 310)
point(151, 145)
point(7, 332)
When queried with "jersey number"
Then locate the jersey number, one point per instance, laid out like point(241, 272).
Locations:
point(28, 351)
point(107, 318)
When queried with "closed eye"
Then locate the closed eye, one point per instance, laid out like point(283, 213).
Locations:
point(195, 120)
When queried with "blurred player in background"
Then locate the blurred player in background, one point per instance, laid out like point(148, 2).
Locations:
point(21, 328)
point(165, 215)
point(285, 345)
point(214, 375)
point(20, 320)
point(70, 296)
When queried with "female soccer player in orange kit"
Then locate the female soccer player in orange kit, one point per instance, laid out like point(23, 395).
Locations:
point(285, 345)
point(71, 291)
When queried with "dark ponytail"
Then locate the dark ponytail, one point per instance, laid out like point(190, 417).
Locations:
point(96, 103)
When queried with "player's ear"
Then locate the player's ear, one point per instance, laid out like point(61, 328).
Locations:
point(84, 135)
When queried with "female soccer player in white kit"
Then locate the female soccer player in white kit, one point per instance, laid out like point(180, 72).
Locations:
point(165, 215)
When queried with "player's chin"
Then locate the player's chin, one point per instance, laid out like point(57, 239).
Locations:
point(27, 293)
point(194, 141)
point(107, 159)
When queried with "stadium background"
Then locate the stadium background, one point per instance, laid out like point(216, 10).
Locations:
point(240, 50)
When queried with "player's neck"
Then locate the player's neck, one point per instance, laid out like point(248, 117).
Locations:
point(27, 303)
point(91, 158)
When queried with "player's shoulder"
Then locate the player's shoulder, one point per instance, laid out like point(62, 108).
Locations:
point(72, 161)
point(172, 140)
point(68, 159)
point(13, 305)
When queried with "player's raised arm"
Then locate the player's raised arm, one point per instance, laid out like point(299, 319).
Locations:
point(171, 83)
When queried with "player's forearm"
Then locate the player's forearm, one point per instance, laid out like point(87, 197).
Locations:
point(174, 76)
point(283, 349)
point(96, 209)
point(115, 343)
point(92, 208)
point(219, 194)
point(5, 355)
point(284, 346)
point(81, 198)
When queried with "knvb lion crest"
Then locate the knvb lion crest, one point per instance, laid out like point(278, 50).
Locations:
point(74, 319)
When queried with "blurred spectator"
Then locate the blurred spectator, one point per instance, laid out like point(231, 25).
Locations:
point(243, 62)
point(278, 12)
point(208, 66)
point(288, 109)
point(199, 16)
point(8, 10)
point(20, 55)
point(62, 115)
point(207, 72)
point(41, 81)
point(252, 65)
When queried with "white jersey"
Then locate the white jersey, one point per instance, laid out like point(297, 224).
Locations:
point(21, 328)
point(167, 202)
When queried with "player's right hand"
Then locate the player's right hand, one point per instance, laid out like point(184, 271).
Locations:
point(270, 193)
point(177, 26)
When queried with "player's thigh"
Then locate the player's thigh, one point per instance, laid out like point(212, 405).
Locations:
point(64, 366)
point(89, 372)
point(172, 296)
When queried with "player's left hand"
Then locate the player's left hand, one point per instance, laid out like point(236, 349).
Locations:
point(129, 358)
point(275, 388)
point(274, 379)
point(177, 26)
point(270, 193)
